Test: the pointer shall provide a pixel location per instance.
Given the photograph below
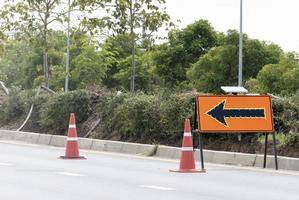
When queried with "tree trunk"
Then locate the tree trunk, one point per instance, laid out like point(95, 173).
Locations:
point(45, 60)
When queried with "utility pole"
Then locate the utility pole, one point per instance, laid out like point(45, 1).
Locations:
point(241, 45)
point(133, 64)
point(67, 66)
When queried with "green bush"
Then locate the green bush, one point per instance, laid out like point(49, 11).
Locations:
point(146, 118)
point(286, 115)
point(16, 105)
point(54, 112)
point(292, 140)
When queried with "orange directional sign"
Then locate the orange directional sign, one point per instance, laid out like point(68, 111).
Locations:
point(234, 114)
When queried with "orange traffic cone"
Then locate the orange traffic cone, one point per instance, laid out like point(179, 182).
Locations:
point(187, 163)
point(72, 149)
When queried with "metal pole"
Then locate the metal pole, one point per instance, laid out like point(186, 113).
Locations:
point(133, 64)
point(67, 66)
point(201, 153)
point(195, 130)
point(275, 151)
point(241, 45)
point(266, 149)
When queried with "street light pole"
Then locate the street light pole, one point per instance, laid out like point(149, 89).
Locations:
point(67, 66)
point(241, 45)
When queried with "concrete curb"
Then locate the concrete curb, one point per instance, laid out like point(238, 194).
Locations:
point(219, 157)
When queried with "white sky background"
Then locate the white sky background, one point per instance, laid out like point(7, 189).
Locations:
point(270, 20)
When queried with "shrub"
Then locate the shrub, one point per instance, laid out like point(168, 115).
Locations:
point(286, 115)
point(16, 105)
point(292, 140)
point(146, 118)
point(54, 113)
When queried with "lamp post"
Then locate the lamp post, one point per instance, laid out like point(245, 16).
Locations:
point(67, 66)
point(241, 45)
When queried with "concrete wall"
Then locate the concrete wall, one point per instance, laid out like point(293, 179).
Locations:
point(219, 157)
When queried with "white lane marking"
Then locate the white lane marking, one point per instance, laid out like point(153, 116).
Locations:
point(5, 164)
point(70, 174)
point(155, 187)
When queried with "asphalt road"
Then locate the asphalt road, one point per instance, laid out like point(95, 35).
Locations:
point(31, 172)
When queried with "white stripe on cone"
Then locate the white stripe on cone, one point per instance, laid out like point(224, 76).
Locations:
point(72, 139)
point(72, 126)
point(187, 134)
point(187, 148)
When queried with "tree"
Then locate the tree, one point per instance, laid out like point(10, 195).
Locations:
point(26, 18)
point(89, 67)
point(184, 48)
point(119, 48)
point(219, 66)
point(146, 78)
point(139, 18)
point(281, 78)
point(14, 61)
point(119, 62)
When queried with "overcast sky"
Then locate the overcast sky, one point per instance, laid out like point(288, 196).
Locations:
point(270, 20)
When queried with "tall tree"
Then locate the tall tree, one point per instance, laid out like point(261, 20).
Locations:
point(281, 78)
point(184, 48)
point(218, 67)
point(29, 18)
point(139, 18)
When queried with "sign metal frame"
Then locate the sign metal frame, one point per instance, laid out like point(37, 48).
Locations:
point(196, 129)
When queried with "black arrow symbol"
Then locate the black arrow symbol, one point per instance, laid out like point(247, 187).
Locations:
point(220, 113)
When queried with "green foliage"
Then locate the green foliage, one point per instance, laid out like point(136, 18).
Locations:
point(126, 16)
point(184, 47)
point(89, 67)
point(219, 66)
point(146, 79)
point(281, 78)
point(54, 113)
point(194, 57)
point(118, 49)
point(16, 105)
point(292, 140)
point(135, 19)
point(147, 118)
point(286, 115)
point(15, 61)
point(28, 16)
point(51, 112)
point(118, 60)
point(214, 69)
point(295, 98)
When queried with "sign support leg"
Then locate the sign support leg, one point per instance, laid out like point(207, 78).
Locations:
point(266, 149)
point(201, 152)
point(195, 128)
point(275, 151)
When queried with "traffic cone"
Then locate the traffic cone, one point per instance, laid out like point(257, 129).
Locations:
point(72, 149)
point(187, 163)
